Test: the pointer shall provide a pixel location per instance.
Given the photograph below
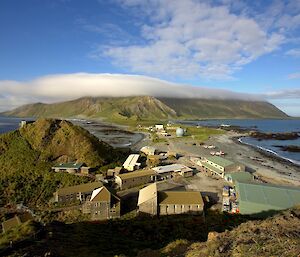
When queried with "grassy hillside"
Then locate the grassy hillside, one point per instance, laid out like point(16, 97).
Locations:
point(145, 108)
point(120, 108)
point(60, 140)
point(277, 236)
point(213, 108)
point(26, 157)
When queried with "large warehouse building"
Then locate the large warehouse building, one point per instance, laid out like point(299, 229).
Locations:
point(256, 198)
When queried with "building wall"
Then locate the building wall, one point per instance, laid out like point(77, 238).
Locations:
point(149, 207)
point(169, 209)
point(221, 173)
point(118, 181)
point(132, 182)
point(115, 210)
point(81, 196)
point(216, 165)
point(102, 210)
point(85, 170)
point(187, 174)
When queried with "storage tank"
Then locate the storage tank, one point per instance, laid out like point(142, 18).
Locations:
point(180, 132)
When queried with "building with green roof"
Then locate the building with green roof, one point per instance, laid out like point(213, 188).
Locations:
point(219, 166)
point(242, 176)
point(259, 198)
point(71, 167)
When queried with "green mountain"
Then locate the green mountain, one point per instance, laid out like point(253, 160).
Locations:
point(216, 108)
point(150, 108)
point(27, 154)
point(144, 107)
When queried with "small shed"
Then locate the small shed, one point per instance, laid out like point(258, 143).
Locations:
point(114, 172)
point(159, 127)
point(16, 221)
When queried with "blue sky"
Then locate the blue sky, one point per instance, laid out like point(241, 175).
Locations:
point(241, 46)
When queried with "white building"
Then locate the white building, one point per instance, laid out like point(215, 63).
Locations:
point(131, 163)
point(159, 127)
point(148, 150)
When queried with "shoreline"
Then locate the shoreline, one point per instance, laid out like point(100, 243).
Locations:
point(267, 152)
point(268, 166)
point(98, 127)
point(244, 132)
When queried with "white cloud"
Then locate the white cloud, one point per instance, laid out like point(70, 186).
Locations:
point(54, 88)
point(193, 39)
point(284, 94)
point(61, 87)
point(294, 52)
point(295, 75)
point(290, 106)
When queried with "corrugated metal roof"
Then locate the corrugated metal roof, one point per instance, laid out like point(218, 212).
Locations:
point(280, 197)
point(79, 188)
point(171, 167)
point(220, 161)
point(69, 165)
point(147, 193)
point(131, 160)
point(135, 174)
point(240, 176)
point(178, 197)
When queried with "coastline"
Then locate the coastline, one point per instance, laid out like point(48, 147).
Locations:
point(115, 134)
point(270, 167)
point(244, 131)
point(268, 153)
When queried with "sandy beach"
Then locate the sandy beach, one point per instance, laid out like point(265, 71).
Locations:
point(268, 168)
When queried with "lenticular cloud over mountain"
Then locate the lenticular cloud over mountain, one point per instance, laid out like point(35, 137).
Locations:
point(61, 87)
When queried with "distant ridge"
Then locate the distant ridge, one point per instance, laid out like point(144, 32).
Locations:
point(149, 108)
point(217, 108)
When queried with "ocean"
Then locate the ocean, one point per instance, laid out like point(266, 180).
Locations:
point(9, 124)
point(263, 126)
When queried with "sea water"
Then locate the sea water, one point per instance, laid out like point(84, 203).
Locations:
point(267, 126)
